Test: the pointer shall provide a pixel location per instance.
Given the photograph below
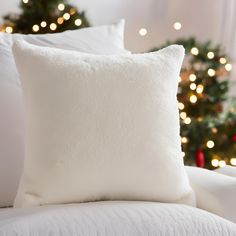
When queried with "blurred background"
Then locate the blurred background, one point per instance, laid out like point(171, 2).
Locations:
point(206, 19)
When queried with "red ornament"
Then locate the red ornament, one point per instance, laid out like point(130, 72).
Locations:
point(200, 158)
point(234, 138)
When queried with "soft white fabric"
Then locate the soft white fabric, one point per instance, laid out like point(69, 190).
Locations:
point(114, 218)
point(215, 192)
point(98, 40)
point(101, 127)
point(227, 170)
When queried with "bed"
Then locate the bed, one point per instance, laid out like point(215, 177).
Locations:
point(113, 218)
point(215, 193)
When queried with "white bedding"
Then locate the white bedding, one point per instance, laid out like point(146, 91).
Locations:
point(113, 218)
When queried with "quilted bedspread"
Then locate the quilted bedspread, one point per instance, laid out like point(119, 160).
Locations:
point(113, 218)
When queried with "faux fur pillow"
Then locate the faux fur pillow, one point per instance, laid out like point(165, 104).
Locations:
point(101, 127)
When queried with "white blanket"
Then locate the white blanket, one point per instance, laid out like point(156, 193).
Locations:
point(113, 218)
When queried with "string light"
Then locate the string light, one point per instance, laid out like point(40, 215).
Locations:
point(193, 99)
point(177, 26)
point(35, 28)
point(66, 16)
point(222, 163)
point(181, 105)
point(222, 60)
point(193, 86)
point(228, 67)
point(60, 20)
point(215, 162)
point(25, 1)
point(53, 26)
point(183, 115)
point(78, 22)
point(211, 72)
point(72, 11)
point(187, 120)
point(199, 119)
point(179, 79)
point(143, 31)
point(210, 55)
point(61, 7)
point(210, 144)
point(9, 29)
point(200, 88)
point(192, 77)
point(214, 130)
point(43, 24)
point(184, 140)
point(233, 161)
point(194, 51)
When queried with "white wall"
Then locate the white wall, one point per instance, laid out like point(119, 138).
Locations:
point(200, 18)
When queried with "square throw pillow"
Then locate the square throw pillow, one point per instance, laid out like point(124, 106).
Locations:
point(106, 39)
point(101, 127)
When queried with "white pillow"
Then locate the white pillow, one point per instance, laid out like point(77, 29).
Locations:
point(99, 40)
point(227, 170)
point(101, 127)
point(215, 192)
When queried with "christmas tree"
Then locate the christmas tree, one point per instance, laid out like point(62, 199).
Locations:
point(44, 16)
point(208, 126)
